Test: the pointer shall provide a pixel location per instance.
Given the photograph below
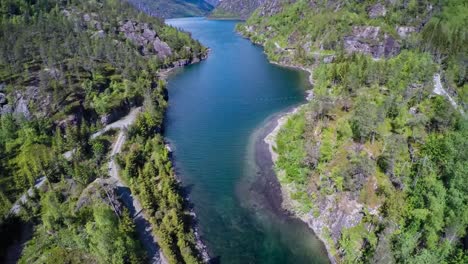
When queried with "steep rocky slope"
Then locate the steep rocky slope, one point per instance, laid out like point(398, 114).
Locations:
point(362, 163)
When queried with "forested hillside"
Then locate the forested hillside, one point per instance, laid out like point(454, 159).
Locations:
point(67, 68)
point(377, 162)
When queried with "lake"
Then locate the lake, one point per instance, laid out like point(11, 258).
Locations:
point(217, 109)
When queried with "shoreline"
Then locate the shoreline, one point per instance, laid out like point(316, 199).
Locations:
point(164, 75)
point(273, 127)
point(270, 141)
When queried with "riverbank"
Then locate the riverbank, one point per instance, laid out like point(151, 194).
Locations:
point(273, 128)
point(201, 246)
point(268, 139)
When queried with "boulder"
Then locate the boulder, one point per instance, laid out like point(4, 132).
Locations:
point(328, 59)
point(161, 48)
point(86, 17)
point(21, 108)
point(377, 10)
point(404, 32)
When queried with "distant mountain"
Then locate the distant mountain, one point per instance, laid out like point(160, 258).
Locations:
point(175, 8)
point(241, 9)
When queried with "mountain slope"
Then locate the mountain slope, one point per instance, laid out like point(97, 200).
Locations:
point(175, 8)
point(238, 9)
point(67, 69)
point(376, 163)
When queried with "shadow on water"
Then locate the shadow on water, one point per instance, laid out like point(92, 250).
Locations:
point(215, 260)
point(14, 233)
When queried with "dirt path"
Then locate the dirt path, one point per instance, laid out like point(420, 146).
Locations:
point(122, 123)
point(142, 224)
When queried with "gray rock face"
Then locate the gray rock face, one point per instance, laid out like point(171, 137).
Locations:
point(143, 35)
point(21, 108)
point(180, 63)
point(272, 7)
point(6, 109)
point(377, 10)
point(404, 32)
point(369, 40)
point(3, 99)
point(336, 214)
point(162, 48)
point(2, 87)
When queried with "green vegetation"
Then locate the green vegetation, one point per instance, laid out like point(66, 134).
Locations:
point(223, 14)
point(148, 169)
point(73, 65)
point(70, 235)
point(375, 132)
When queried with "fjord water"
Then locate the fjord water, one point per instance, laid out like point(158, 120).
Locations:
point(215, 109)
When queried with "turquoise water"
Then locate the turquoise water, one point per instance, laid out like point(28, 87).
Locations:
point(216, 109)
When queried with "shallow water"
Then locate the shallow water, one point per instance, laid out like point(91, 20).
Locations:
point(217, 109)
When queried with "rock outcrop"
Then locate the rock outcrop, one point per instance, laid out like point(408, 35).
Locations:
point(369, 40)
point(377, 10)
point(103, 190)
point(145, 38)
point(404, 32)
point(21, 108)
point(333, 214)
point(3, 99)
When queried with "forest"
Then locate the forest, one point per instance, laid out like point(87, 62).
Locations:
point(67, 69)
point(375, 133)
point(148, 169)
